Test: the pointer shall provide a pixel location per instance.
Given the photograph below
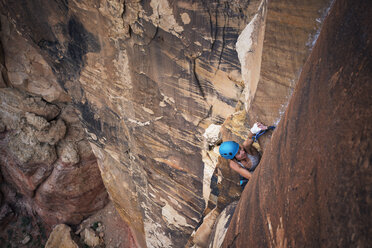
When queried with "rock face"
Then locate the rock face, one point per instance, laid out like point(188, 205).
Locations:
point(312, 187)
point(148, 78)
point(26, 68)
point(288, 40)
point(109, 227)
point(272, 49)
point(46, 158)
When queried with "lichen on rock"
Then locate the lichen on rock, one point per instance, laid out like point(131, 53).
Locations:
point(69, 154)
point(26, 147)
point(54, 134)
point(37, 122)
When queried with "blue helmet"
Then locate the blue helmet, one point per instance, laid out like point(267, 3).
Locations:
point(229, 149)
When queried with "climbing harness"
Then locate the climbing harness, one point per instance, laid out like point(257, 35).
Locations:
point(243, 181)
point(257, 135)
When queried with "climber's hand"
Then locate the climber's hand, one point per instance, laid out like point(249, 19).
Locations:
point(261, 126)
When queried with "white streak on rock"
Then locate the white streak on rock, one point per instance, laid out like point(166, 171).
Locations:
point(166, 100)
point(221, 227)
point(246, 38)
point(245, 41)
point(175, 202)
point(314, 37)
point(155, 236)
point(173, 217)
point(138, 123)
point(147, 110)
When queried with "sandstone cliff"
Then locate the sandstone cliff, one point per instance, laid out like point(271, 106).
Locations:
point(147, 78)
point(313, 185)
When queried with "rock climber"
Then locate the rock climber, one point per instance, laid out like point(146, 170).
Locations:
point(244, 158)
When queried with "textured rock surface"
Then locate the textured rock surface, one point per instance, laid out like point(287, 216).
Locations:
point(45, 156)
point(90, 238)
point(201, 237)
point(61, 238)
point(148, 77)
point(110, 227)
point(26, 68)
point(21, 230)
point(288, 40)
point(221, 226)
point(318, 162)
point(272, 49)
point(249, 47)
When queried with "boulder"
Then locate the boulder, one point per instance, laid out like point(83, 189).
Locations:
point(212, 135)
point(60, 237)
point(90, 238)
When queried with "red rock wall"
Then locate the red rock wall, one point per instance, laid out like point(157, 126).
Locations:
point(313, 187)
point(47, 160)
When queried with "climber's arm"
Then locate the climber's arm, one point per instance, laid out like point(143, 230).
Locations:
point(248, 142)
point(255, 129)
point(243, 172)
